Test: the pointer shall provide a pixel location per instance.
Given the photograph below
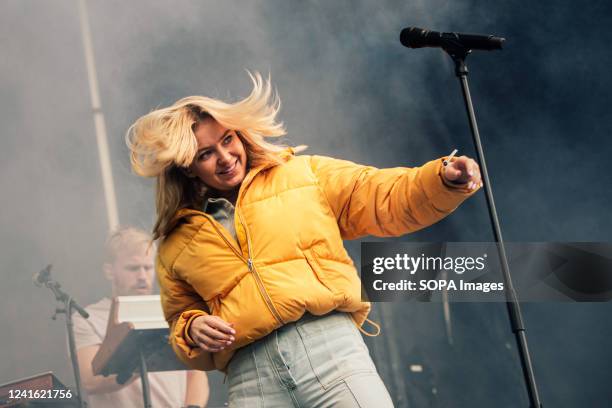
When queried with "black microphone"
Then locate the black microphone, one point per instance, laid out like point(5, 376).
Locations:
point(414, 37)
point(42, 277)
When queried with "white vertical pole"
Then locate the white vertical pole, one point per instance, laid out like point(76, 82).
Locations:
point(99, 123)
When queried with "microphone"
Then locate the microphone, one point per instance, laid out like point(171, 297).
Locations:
point(42, 277)
point(414, 37)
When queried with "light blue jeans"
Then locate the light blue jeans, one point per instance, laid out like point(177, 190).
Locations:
point(318, 361)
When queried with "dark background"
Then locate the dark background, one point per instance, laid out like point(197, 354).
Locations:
point(349, 90)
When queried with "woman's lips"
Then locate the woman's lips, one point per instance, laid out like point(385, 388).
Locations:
point(229, 171)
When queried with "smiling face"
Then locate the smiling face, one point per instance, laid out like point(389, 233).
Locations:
point(221, 160)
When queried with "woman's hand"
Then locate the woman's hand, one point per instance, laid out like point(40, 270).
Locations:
point(463, 170)
point(211, 333)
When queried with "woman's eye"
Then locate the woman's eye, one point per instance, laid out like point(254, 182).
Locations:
point(227, 140)
point(204, 155)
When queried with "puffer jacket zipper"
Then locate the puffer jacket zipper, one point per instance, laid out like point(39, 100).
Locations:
point(252, 269)
point(249, 263)
point(227, 242)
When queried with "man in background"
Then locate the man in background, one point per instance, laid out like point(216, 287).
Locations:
point(129, 266)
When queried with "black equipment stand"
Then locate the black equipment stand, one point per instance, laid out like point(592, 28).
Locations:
point(69, 304)
point(144, 377)
point(459, 53)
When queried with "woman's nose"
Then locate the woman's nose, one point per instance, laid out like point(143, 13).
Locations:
point(224, 156)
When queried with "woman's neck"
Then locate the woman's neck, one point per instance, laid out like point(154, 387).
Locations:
point(229, 195)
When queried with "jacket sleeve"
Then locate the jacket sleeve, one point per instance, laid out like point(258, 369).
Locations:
point(181, 305)
point(385, 202)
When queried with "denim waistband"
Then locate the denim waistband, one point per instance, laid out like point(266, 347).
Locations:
point(306, 319)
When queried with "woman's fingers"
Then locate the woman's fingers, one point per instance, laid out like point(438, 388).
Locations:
point(457, 170)
point(216, 334)
point(466, 166)
point(208, 343)
point(464, 170)
point(221, 325)
point(213, 323)
point(452, 173)
point(211, 333)
point(473, 171)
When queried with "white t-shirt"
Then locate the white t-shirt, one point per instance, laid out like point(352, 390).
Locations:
point(167, 387)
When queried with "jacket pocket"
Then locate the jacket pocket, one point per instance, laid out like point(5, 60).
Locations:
point(334, 348)
point(315, 266)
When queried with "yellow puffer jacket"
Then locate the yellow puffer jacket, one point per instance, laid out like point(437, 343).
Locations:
point(290, 221)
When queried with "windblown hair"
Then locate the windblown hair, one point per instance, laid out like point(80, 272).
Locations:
point(126, 239)
point(163, 143)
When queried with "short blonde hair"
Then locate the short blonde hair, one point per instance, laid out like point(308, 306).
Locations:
point(126, 239)
point(163, 142)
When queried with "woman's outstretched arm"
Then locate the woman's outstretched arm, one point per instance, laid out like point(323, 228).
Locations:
point(386, 202)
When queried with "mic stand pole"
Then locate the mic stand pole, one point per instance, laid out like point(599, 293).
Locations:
point(69, 305)
point(459, 54)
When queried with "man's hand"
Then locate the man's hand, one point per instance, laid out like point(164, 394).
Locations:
point(211, 333)
point(462, 170)
point(97, 384)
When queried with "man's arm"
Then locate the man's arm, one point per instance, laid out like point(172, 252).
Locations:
point(197, 392)
point(97, 384)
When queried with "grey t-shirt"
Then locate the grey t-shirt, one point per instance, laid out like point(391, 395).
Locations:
point(222, 211)
point(167, 387)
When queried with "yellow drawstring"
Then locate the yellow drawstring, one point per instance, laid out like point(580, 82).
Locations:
point(376, 325)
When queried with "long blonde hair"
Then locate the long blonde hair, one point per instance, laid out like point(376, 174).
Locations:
point(162, 143)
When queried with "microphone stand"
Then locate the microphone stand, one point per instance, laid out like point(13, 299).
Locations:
point(69, 304)
point(459, 53)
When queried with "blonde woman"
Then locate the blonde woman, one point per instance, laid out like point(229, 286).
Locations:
point(254, 277)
